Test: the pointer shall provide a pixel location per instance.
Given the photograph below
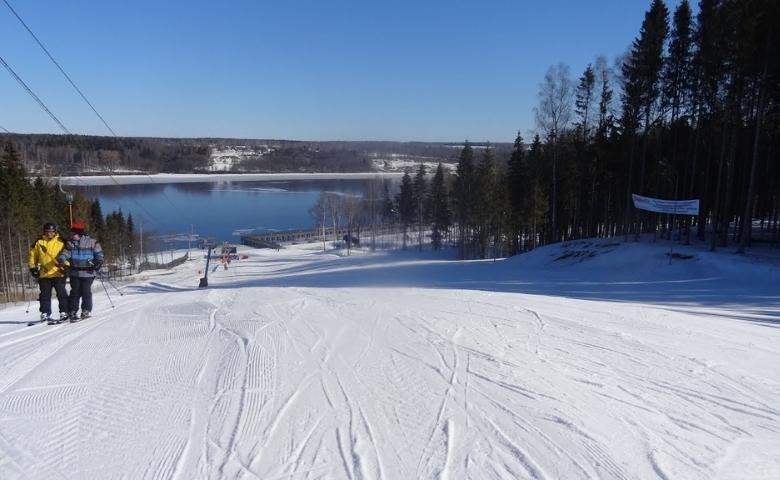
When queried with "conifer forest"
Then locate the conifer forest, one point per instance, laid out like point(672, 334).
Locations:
point(690, 111)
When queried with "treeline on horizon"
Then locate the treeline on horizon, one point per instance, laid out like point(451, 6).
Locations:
point(65, 155)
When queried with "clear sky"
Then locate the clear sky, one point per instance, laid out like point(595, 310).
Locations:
point(305, 70)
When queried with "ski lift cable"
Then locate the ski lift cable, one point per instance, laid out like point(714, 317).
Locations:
point(33, 95)
point(46, 109)
point(58, 65)
point(78, 90)
point(4, 129)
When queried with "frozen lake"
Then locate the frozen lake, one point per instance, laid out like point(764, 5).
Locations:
point(221, 209)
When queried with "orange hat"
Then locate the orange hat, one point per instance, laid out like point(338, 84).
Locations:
point(77, 227)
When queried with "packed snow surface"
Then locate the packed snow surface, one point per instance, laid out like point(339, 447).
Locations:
point(593, 359)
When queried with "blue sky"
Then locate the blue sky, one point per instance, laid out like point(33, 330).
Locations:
point(304, 70)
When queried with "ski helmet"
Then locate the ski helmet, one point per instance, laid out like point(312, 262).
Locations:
point(49, 227)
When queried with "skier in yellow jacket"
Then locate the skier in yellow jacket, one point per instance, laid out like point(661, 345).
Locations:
point(44, 266)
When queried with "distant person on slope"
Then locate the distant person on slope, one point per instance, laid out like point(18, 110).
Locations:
point(85, 257)
point(50, 273)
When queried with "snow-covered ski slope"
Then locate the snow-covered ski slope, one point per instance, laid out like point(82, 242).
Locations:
point(593, 360)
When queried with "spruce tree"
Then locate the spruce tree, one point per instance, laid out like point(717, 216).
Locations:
point(97, 221)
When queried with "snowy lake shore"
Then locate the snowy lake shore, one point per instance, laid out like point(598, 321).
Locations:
point(99, 180)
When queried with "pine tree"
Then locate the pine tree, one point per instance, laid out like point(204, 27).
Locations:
point(706, 75)
point(463, 197)
point(677, 74)
point(605, 98)
point(486, 216)
point(517, 187)
point(130, 240)
point(580, 168)
point(641, 91)
point(763, 40)
point(584, 101)
point(389, 213)
point(605, 167)
point(440, 211)
point(405, 205)
point(537, 197)
point(420, 194)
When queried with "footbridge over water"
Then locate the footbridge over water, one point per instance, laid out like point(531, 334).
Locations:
point(275, 239)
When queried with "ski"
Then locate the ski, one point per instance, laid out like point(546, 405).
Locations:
point(42, 322)
point(56, 321)
point(80, 318)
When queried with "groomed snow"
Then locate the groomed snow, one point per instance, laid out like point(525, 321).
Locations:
point(593, 360)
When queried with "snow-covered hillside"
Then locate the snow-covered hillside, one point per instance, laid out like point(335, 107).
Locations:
point(224, 158)
point(583, 360)
point(401, 163)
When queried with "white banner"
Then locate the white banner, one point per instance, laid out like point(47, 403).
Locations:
point(679, 207)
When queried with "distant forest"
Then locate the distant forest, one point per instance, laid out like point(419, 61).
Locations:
point(55, 155)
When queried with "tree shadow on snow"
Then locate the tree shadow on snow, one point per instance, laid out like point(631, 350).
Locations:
point(682, 289)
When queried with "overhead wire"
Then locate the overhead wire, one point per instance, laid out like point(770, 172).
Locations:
point(73, 84)
point(33, 95)
point(58, 65)
point(54, 117)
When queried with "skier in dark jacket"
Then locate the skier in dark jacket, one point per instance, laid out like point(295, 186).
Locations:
point(45, 268)
point(85, 257)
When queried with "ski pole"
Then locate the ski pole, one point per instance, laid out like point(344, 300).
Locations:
point(29, 301)
point(106, 290)
point(102, 277)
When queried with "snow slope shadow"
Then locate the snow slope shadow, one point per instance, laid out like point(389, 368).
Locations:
point(590, 270)
point(157, 287)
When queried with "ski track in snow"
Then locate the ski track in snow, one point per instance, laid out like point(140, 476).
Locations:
point(266, 376)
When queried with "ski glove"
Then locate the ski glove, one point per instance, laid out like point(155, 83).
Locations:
point(97, 265)
point(35, 272)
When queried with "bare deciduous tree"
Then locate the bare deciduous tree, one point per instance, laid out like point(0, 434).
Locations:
point(553, 115)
